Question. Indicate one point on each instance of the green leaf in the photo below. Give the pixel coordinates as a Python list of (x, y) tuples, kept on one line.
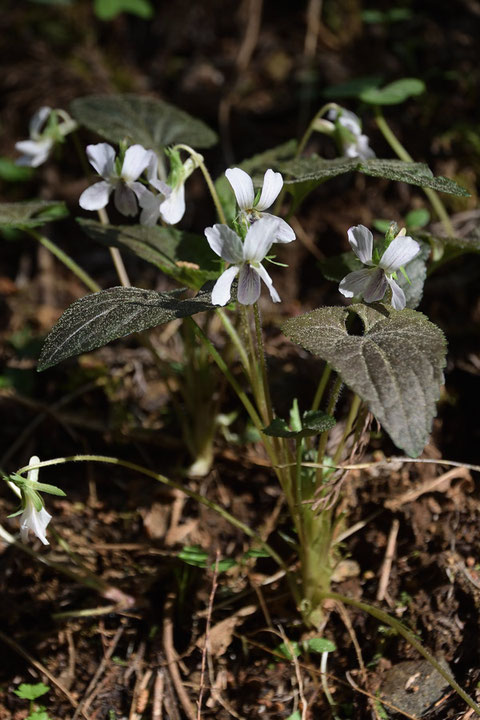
[(183, 256), (97, 319), (395, 366), (11, 172), (386, 16), (416, 219), (313, 423), (31, 692), (150, 122), (394, 93), (38, 715), (316, 421), (320, 645), (289, 650), (109, 9), (193, 555), (317, 169), (30, 214), (352, 88)]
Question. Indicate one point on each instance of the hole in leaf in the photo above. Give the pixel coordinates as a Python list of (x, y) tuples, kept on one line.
[(354, 324)]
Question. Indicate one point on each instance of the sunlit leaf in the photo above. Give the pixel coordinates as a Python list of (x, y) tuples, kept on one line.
[(150, 122), (97, 319), (317, 169), (184, 256), (395, 366)]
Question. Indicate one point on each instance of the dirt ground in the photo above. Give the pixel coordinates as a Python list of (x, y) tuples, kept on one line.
[(111, 610)]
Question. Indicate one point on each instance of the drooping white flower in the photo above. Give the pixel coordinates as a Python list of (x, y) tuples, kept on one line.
[(372, 282), (45, 130), (124, 186), (33, 519), (246, 259), (169, 205), (352, 141), (242, 185)]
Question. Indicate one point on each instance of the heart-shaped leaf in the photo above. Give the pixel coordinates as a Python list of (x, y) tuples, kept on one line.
[(394, 93), (315, 168), (184, 256), (30, 214), (150, 122), (395, 366), (97, 319)]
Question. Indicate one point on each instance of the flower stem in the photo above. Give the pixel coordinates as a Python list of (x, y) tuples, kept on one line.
[(310, 128), (409, 637), (66, 260), (208, 179), (322, 444), (166, 481), (402, 153), (115, 254), (327, 371), (263, 365)]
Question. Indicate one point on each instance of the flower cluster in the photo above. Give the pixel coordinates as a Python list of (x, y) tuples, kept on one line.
[(47, 127), (371, 283), (260, 230), (166, 201)]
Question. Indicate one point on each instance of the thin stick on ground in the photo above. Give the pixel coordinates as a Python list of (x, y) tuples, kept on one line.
[(207, 634), (42, 669), (90, 691), (158, 694), (172, 662), (388, 560)]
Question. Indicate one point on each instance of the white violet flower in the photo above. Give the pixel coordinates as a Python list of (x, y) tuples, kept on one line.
[(124, 186), (350, 137), (242, 185), (33, 518), (246, 259), (372, 283), (44, 130), (170, 204)]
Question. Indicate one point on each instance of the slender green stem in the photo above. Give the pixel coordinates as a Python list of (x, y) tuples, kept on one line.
[(115, 254), (311, 127), (263, 365), (299, 494), (165, 481), (402, 153), (208, 179), (322, 443), (66, 260), (234, 337), (253, 375), (254, 416), (327, 371), (352, 415), (409, 637)]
